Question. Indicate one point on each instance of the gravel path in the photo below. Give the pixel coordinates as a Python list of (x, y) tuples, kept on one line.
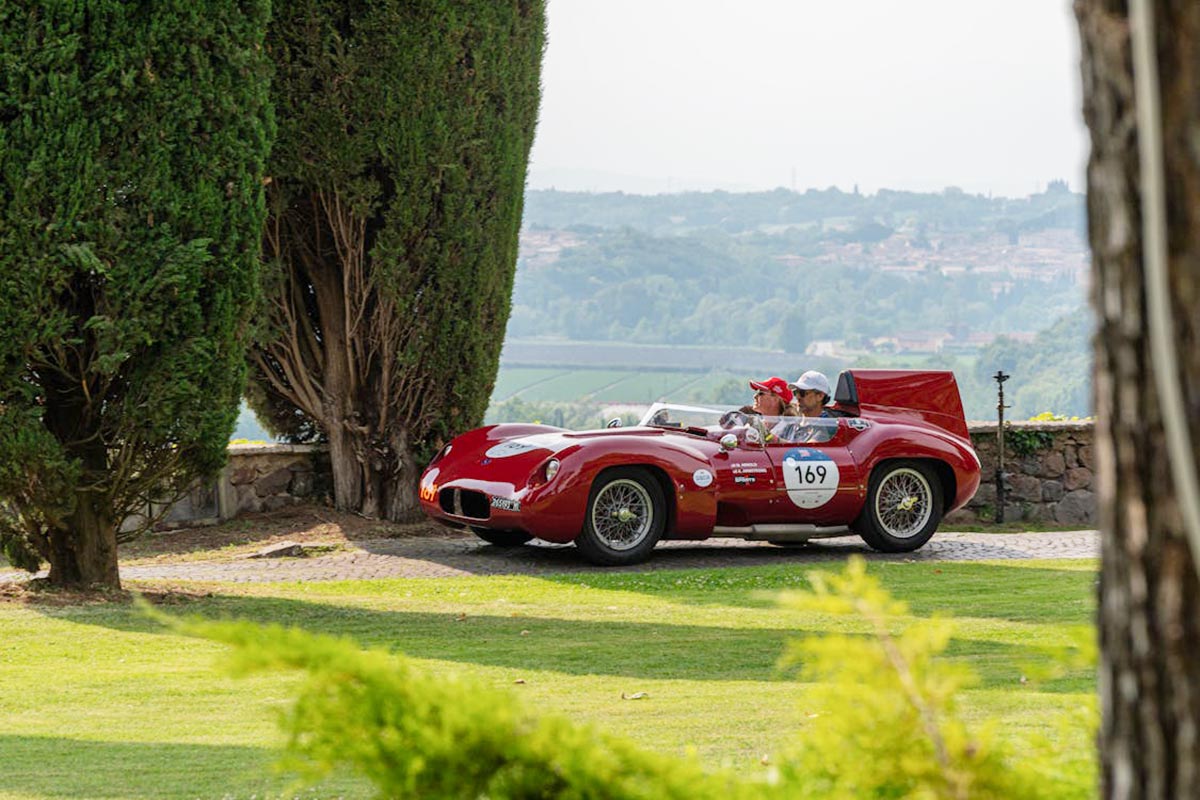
[(446, 556)]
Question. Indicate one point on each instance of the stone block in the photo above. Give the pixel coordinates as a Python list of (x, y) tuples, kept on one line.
[(985, 495), (243, 474), (302, 484), (1039, 512), (247, 498), (1025, 487), (1087, 456), (1077, 478), (1052, 491), (1076, 508), (1071, 456), (1053, 464), (281, 550), (273, 482)]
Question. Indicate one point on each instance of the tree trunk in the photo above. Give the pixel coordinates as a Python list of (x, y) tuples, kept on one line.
[(1149, 595), (84, 552)]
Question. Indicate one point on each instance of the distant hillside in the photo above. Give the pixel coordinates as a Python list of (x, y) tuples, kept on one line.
[(947, 211), (776, 282)]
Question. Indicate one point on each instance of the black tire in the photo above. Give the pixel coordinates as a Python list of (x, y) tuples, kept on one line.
[(626, 516), (501, 538), (903, 507)]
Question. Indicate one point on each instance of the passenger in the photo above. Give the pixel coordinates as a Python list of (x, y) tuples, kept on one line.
[(771, 397), (812, 393)]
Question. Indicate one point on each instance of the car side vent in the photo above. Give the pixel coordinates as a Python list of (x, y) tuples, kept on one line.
[(464, 503)]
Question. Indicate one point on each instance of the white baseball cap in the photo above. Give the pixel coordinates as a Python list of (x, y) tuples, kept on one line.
[(812, 380)]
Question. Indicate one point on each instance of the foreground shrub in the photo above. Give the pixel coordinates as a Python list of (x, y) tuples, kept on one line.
[(887, 726), (888, 722)]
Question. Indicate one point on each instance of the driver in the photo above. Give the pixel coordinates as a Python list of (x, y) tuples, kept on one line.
[(812, 393)]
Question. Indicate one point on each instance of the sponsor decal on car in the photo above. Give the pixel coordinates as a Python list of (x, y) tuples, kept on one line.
[(811, 477), (506, 504), (702, 478), (744, 479), (429, 487), (747, 467), (858, 424), (515, 447)]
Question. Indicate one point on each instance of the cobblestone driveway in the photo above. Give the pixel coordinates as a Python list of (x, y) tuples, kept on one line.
[(466, 555)]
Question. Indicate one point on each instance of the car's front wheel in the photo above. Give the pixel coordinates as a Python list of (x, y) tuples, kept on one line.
[(501, 538), (626, 516), (903, 508)]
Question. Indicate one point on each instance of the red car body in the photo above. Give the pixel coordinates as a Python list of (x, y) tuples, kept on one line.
[(896, 448)]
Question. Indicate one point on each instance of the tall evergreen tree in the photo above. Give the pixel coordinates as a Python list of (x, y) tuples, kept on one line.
[(397, 188), (133, 137)]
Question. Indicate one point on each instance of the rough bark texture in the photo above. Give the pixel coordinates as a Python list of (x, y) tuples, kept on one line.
[(1149, 598)]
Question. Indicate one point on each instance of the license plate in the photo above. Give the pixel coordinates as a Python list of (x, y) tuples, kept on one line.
[(506, 504)]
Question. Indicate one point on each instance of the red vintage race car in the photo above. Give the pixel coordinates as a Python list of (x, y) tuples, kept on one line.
[(890, 461)]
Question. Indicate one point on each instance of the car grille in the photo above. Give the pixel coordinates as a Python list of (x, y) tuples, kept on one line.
[(464, 503)]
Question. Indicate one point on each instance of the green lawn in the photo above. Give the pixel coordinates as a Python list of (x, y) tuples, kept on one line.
[(98, 701)]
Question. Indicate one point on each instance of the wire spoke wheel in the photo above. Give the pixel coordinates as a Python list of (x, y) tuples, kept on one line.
[(626, 516), (904, 506), (622, 514), (903, 503)]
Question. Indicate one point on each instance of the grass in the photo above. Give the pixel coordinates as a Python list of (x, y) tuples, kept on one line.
[(97, 701)]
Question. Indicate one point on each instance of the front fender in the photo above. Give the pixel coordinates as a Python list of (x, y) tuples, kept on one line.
[(692, 506)]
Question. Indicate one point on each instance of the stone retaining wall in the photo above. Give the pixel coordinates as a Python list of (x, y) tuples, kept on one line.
[(1049, 468), (258, 477)]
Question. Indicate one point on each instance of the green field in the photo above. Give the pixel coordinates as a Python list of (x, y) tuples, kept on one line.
[(96, 700)]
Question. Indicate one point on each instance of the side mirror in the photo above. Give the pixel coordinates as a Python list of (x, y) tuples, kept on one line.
[(729, 442), (615, 422)]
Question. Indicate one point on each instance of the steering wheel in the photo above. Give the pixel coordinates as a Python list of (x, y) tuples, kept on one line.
[(732, 418)]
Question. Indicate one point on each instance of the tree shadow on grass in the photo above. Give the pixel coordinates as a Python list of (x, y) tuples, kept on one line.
[(67, 768), (995, 591), (572, 647)]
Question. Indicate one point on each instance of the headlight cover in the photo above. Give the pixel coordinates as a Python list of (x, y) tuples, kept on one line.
[(551, 469), (445, 451)]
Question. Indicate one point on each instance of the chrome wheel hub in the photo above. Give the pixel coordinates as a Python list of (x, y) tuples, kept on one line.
[(622, 514), (903, 503)]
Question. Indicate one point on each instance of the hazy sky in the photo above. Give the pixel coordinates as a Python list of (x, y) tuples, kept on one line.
[(665, 95)]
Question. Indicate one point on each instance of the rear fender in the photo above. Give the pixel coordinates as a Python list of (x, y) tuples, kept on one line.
[(957, 466)]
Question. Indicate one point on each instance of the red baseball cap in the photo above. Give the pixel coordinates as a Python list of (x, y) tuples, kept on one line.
[(774, 385)]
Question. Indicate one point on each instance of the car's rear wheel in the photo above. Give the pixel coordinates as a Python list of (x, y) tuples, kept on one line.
[(903, 508), (501, 538), (626, 516)]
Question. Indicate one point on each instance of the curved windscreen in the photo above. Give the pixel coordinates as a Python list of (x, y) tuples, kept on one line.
[(749, 428)]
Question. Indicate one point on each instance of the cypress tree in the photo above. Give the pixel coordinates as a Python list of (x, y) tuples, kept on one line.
[(133, 137), (393, 213)]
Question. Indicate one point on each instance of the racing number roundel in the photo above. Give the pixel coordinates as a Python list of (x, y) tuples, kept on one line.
[(811, 477)]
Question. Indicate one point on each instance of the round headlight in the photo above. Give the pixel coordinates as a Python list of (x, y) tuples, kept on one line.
[(552, 468)]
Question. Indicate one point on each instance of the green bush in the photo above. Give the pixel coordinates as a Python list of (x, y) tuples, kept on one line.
[(887, 727)]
